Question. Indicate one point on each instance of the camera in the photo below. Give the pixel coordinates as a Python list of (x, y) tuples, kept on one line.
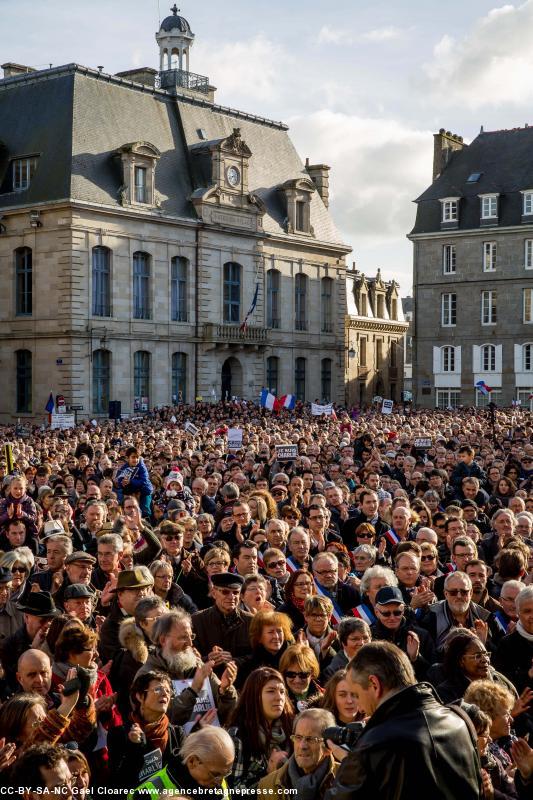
[(346, 736)]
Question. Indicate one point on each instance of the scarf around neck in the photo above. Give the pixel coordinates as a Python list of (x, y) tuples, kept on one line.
[(156, 732), (307, 786), (522, 631)]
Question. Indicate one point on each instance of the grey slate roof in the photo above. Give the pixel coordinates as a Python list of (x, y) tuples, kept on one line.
[(76, 118), (505, 159)]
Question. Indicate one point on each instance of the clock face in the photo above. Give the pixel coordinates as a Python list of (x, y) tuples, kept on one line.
[(233, 176)]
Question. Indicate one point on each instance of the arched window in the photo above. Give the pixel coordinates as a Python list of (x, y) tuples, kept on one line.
[(101, 381), (232, 292), (327, 304), (272, 373), (179, 377), (300, 302), (141, 380), (448, 359), (23, 282), (527, 357), (273, 298), (299, 378), (101, 279), (141, 286), (488, 358), (24, 381), (325, 379), (178, 289)]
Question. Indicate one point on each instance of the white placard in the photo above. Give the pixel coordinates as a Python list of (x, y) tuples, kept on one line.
[(60, 421), (234, 438), (204, 701), (387, 406), (317, 410), (190, 428)]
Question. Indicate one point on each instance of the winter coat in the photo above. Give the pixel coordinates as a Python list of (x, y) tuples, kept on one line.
[(28, 513)]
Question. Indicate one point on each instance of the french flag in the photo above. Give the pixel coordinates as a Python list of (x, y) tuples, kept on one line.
[(267, 399), (286, 401), (483, 388)]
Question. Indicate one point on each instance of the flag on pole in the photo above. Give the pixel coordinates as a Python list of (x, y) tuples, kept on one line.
[(267, 399), (251, 309), (483, 388), (50, 406), (286, 401)]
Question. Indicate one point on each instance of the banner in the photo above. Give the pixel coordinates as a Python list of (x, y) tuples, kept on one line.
[(61, 421), (317, 410), (234, 438), (387, 406), (204, 701), (286, 452), (423, 443)]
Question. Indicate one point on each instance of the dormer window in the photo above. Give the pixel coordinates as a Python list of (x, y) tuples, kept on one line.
[(527, 209), (450, 209), (298, 198), (22, 171), (300, 223), (489, 206), (138, 160)]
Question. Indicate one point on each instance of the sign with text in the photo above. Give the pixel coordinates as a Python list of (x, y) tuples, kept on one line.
[(234, 438), (286, 452), (387, 406), (317, 410), (61, 421), (204, 701), (190, 428), (423, 443)]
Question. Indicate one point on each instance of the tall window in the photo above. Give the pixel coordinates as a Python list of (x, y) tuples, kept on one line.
[(363, 306), (273, 301), (300, 301), (232, 292), (379, 352), (381, 306), (528, 203), (488, 358), (327, 304), (23, 381), (448, 398), (22, 172), (24, 272), (394, 308), (489, 206), (449, 309), (488, 308), (528, 253), (448, 359), (449, 259), (449, 210), (101, 381), (300, 215), (179, 377), (178, 289), (141, 286), (101, 279), (528, 305), (140, 185), (527, 357), (141, 380), (325, 379), (272, 373), (393, 359), (299, 378), (489, 256), (362, 352)]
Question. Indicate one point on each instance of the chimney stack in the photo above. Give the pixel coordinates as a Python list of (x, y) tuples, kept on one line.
[(319, 174), (444, 144), (145, 75), (11, 69)]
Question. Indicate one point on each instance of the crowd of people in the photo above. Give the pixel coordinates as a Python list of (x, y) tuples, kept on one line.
[(180, 617)]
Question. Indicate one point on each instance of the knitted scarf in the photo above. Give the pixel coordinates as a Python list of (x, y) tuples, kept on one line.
[(307, 786), (156, 732)]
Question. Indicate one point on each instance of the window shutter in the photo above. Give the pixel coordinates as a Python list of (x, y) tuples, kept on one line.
[(476, 358), (437, 367), (458, 360), (499, 349), (518, 358)]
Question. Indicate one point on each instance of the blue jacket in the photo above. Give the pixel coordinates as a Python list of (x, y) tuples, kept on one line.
[(139, 480)]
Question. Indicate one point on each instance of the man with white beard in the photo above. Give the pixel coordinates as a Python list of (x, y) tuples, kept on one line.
[(174, 654)]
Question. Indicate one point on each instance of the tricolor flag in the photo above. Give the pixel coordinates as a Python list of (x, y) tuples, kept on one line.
[(483, 388), (50, 406), (267, 399), (251, 309), (286, 401)]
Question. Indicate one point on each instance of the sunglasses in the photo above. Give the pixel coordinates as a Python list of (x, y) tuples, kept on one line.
[(274, 564), (428, 558), (391, 613), (365, 535), (18, 569), (303, 675), (171, 538), (456, 592)]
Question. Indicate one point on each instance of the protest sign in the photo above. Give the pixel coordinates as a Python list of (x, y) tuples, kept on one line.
[(234, 438), (286, 452), (386, 407), (423, 443), (60, 421), (204, 701), (317, 410), (190, 428)]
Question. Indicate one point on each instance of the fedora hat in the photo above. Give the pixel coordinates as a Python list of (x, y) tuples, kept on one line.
[(136, 578), (38, 604)]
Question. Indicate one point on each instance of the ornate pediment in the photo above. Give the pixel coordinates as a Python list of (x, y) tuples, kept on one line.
[(145, 149), (235, 144)]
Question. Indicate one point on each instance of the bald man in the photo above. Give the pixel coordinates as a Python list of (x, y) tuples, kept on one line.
[(34, 672)]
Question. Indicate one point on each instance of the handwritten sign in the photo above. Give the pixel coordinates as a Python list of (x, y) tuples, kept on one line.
[(234, 438), (204, 701)]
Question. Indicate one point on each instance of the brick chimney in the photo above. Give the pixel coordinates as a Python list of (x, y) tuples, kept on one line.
[(444, 144), (319, 174), (11, 69)]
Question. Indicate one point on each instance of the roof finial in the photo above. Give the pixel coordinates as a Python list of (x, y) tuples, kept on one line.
[(175, 10)]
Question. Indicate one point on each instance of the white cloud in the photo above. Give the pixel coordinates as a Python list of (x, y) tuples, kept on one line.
[(382, 34), (328, 35), (490, 66)]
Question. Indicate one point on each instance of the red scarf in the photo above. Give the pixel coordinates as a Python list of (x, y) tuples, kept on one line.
[(155, 732)]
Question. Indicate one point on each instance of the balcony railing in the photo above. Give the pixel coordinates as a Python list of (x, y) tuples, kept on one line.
[(232, 334), (180, 79)]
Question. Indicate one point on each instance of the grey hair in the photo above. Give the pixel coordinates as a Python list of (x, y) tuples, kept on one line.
[(501, 511), (230, 491), (61, 538), (321, 716), (349, 625), (146, 605), (456, 574), (21, 554), (275, 520), (298, 529), (525, 514), (113, 539), (367, 550), (322, 556), (157, 564), (208, 744), (165, 623), (377, 572), (524, 596)]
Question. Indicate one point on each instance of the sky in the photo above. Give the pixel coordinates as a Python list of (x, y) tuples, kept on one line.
[(362, 84)]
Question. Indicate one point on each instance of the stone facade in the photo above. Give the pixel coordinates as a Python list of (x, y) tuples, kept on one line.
[(218, 188), (375, 331), (473, 273)]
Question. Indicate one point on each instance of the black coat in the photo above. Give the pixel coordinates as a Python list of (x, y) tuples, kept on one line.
[(412, 747), (426, 655), (513, 657), (127, 758)]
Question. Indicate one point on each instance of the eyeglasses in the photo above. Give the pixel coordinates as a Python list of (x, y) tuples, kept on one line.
[(291, 675), (326, 571), (318, 616), (160, 690), (456, 592), (296, 737), (428, 558), (274, 564), (304, 585), (216, 776), (397, 613), (217, 564), (172, 538), (483, 655)]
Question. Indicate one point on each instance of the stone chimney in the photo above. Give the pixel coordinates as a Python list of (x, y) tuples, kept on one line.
[(319, 174), (11, 70), (144, 75), (444, 144)]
